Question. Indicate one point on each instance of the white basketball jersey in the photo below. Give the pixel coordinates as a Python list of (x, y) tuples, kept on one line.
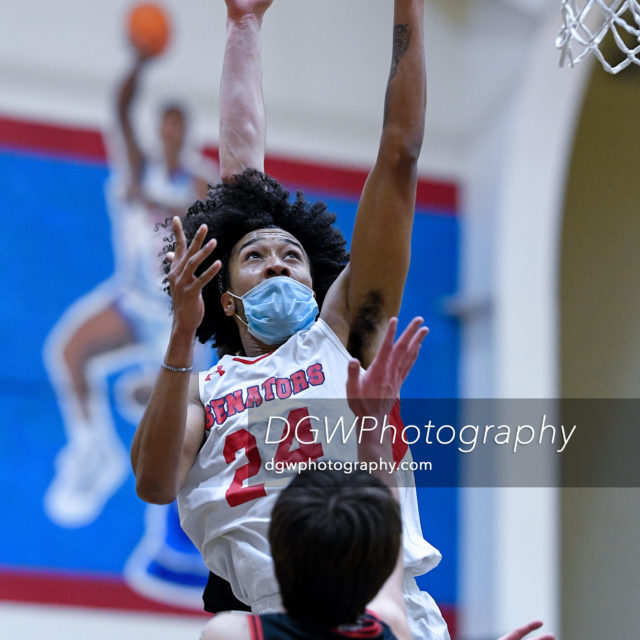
[(137, 239), (226, 501)]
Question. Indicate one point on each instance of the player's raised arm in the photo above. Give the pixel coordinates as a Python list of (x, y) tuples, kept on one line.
[(125, 96), (372, 394), (172, 427), (373, 283), (242, 118)]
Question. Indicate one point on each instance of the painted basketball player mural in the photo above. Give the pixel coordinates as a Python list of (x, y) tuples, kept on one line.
[(268, 280), (125, 320)]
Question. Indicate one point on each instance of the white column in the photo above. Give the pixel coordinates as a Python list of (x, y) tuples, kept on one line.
[(509, 537)]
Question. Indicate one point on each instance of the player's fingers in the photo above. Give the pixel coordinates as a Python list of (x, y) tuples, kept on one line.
[(178, 232), (406, 366), (386, 346), (353, 379), (197, 258), (413, 348), (196, 242), (521, 632), (410, 331), (412, 353), (170, 256), (209, 273), (402, 343), (417, 338)]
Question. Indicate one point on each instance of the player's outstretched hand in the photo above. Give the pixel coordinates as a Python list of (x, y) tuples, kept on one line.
[(186, 286), (521, 632), (238, 9), (374, 392)]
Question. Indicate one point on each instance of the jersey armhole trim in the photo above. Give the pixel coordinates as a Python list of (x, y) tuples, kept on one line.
[(201, 376), (328, 332)]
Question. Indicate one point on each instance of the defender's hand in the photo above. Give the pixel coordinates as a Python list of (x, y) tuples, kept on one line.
[(186, 287), (521, 632), (374, 392)]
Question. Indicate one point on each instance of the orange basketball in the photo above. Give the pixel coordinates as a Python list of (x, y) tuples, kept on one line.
[(149, 29)]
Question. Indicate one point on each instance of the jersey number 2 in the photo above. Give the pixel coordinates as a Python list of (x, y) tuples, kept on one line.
[(242, 440)]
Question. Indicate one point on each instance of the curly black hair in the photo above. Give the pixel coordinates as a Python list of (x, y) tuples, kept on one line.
[(250, 201)]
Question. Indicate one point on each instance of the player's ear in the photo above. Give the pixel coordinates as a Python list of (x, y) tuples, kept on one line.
[(228, 304)]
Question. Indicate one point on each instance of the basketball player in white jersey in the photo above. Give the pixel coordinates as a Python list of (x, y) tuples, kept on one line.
[(124, 323), (126, 318), (358, 593), (251, 270)]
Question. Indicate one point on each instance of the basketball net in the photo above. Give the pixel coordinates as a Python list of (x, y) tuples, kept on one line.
[(585, 23)]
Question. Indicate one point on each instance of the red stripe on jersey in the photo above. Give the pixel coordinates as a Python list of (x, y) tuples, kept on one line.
[(399, 447), (252, 361), (255, 628), (371, 628)]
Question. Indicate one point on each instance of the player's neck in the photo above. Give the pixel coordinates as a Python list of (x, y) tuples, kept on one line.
[(254, 347), (172, 158)]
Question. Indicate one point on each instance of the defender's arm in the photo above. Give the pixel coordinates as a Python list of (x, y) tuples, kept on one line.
[(373, 394)]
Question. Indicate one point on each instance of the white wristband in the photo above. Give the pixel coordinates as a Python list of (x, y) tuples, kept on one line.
[(168, 367)]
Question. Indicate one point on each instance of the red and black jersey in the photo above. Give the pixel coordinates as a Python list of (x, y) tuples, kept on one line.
[(281, 626)]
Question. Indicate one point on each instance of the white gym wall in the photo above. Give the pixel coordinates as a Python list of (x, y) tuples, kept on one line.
[(600, 354)]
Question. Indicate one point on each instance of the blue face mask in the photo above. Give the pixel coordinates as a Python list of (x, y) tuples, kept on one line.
[(277, 308)]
